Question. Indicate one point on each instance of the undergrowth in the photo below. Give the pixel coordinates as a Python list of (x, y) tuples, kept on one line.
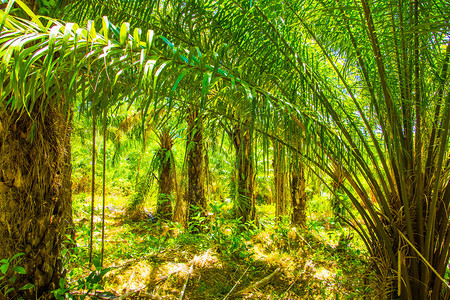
[(268, 261)]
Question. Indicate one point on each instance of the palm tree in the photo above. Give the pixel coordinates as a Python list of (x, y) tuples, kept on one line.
[(36, 187), (337, 204), (279, 179), (195, 195), (35, 191), (375, 129), (166, 178), (298, 193), (35, 121), (399, 159), (345, 75), (245, 204)]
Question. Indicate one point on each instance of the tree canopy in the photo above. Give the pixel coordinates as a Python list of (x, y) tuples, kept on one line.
[(359, 84)]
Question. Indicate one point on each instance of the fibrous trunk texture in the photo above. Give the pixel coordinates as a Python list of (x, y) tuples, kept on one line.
[(336, 201), (35, 195), (166, 176), (279, 168), (298, 194), (245, 206), (196, 198)]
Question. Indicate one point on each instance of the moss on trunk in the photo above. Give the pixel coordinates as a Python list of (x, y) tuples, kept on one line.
[(245, 206), (336, 201), (166, 176), (298, 194), (279, 179), (196, 199), (35, 195)]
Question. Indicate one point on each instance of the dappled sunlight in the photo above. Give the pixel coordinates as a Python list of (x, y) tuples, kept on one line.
[(205, 259), (150, 261), (232, 149), (323, 274), (131, 277)]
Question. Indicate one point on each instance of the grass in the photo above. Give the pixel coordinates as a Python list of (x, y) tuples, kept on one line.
[(159, 261)]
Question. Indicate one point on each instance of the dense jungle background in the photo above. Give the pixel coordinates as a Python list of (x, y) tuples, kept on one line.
[(226, 149)]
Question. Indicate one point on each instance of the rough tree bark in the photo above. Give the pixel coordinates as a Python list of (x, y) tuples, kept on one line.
[(196, 199), (298, 194), (336, 204), (35, 195), (166, 176), (245, 207), (279, 167)]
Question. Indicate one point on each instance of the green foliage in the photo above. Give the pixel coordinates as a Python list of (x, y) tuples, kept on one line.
[(139, 197), (48, 7), (339, 204), (198, 220), (361, 84), (230, 236), (141, 246), (82, 288), (11, 269)]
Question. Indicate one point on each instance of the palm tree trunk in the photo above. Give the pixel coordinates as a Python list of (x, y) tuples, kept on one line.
[(245, 207), (279, 168), (35, 195), (298, 194), (196, 199), (166, 176), (336, 201)]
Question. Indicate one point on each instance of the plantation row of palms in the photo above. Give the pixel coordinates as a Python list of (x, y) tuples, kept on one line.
[(356, 89)]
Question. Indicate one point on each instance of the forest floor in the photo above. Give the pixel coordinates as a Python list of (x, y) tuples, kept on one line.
[(147, 260)]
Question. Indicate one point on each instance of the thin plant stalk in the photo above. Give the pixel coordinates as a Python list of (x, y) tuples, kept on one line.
[(92, 185), (104, 185)]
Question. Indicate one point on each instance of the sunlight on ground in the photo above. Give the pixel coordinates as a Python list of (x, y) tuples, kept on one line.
[(323, 274), (152, 262)]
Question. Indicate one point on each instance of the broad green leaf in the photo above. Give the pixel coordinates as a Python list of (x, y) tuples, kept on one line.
[(148, 71), (4, 267), (92, 32), (20, 270), (69, 28), (97, 264), (141, 60), (62, 283), (205, 86), (54, 32), (167, 42), (105, 27), (33, 128), (124, 29), (157, 73), (136, 38)]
